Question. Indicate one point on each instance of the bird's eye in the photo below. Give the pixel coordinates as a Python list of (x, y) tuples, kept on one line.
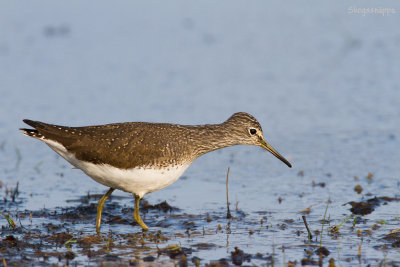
[(253, 131)]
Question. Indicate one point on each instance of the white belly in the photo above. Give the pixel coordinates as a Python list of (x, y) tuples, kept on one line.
[(139, 181)]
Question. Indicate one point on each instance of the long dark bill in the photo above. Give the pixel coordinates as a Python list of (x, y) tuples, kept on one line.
[(268, 147)]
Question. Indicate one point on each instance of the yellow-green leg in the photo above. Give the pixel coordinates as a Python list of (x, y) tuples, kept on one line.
[(100, 206), (136, 214)]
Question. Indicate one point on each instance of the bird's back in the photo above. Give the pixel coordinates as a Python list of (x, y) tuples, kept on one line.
[(122, 145)]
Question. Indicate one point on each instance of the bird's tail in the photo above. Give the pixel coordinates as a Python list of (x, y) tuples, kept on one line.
[(32, 132)]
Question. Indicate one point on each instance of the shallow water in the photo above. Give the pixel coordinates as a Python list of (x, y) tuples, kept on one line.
[(324, 88)]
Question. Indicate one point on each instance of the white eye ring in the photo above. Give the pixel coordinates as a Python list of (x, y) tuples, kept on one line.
[(253, 131)]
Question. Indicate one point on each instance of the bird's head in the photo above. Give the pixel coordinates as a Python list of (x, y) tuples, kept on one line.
[(247, 131)]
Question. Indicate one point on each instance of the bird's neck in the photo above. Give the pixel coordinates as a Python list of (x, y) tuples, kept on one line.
[(213, 137)]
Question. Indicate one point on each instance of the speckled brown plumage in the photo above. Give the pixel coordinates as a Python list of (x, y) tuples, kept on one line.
[(141, 157), (141, 144)]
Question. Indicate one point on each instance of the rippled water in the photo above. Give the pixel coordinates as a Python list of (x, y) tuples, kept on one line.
[(322, 82)]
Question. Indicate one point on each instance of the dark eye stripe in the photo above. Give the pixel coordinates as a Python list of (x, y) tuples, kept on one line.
[(253, 131)]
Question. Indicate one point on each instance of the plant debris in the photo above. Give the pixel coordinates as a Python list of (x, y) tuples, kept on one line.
[(368, 206), (238, 256)]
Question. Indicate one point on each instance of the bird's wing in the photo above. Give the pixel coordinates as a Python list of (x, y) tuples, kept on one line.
[(126, 145)]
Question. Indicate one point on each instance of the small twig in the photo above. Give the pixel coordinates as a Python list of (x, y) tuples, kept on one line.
[(228, 214), (345, 220), (308, 229), (68, 243), (323, 223), (14, 193)]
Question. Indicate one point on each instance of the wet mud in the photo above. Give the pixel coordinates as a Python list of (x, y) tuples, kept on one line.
[(369, 205), (65, 235)]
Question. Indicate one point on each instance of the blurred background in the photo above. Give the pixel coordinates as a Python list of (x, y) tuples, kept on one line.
[(313, 74), (322, 79)]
